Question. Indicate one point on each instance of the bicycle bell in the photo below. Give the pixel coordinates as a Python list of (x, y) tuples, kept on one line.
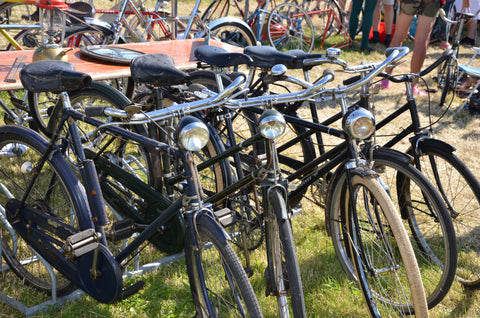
[(52, 20)]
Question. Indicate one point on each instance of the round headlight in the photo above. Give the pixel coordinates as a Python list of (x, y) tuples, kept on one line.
[(272, 124), (359, 124), (192, 133)]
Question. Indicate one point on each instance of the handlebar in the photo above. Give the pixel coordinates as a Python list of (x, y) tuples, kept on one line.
[(316, 89), (266, 100), (446, 54), (394, 55), (462, 15), (230, 92)]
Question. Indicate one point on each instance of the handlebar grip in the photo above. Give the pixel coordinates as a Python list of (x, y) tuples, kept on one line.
[(352, 80), (95, 111)]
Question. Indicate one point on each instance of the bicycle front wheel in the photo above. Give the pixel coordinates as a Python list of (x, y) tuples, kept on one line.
[(425, 218), (384, 259), (460, 190), (219, 284), (283, 272), (289, 28)]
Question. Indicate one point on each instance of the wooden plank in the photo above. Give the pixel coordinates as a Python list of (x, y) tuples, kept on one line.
[(15, 70), (180, 50)]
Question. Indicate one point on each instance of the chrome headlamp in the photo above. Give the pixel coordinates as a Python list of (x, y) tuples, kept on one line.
[(359, 123), (192, 133), (272, 124)]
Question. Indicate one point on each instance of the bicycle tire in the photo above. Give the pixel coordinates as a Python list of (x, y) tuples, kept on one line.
[(210, 261), (420, 205), (216, 9), (282, 258), (233, 33), (75, 36), (16, 13), (447, 82), (68, 200), (85, 35), (97, 94), (460, 189), (289, 27), (376, 236), (323, 27)]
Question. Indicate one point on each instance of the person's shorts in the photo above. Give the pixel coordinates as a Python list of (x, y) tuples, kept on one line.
[(428, 8), (388, 2)]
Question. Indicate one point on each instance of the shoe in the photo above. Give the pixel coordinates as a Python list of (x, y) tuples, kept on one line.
[(418, 92), (374, 41), (385, 84), (387, 43), (445, 46), (467, 41)]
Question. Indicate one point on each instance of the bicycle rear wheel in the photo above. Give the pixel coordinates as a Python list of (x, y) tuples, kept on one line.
[(219, 284), (289, 27), (216, 9), (96, 95), (447, 83), (53, 194), (323, 13), (384, 259), (233, 33), (15, 13)]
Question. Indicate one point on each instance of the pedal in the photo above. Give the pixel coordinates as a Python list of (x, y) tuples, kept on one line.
[(296, 210), (81, 243), (121, 230), (225, 216), (132, 290)]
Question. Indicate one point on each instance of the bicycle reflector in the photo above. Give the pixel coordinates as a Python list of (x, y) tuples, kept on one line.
[(272, 124), (192, 133), (359, 123)]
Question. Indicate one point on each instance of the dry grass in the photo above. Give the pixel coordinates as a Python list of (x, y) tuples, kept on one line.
[(328, 292)]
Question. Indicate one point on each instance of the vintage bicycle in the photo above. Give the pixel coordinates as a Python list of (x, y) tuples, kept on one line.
[(67, 229)]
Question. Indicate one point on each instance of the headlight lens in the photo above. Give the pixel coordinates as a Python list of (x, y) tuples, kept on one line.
[(193, 133), (359, 124), (272, 124)]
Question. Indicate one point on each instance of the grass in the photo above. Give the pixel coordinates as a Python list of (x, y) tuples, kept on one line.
[(328, 291)]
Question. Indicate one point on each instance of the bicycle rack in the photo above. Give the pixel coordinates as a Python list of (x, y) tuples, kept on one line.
[(56, 302)]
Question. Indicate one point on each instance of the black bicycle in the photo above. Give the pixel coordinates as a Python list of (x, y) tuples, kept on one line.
[(309, 172), (52, 214), (421, 206)]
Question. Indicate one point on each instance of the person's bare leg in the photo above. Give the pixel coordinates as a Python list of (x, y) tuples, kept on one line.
[(401, 29), (388, 17), (471, 26), (376, 17), (425, 24)]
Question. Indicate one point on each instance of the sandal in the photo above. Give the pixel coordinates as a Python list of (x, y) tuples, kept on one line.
[(445, 46), (418, 92), (385, 84)]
